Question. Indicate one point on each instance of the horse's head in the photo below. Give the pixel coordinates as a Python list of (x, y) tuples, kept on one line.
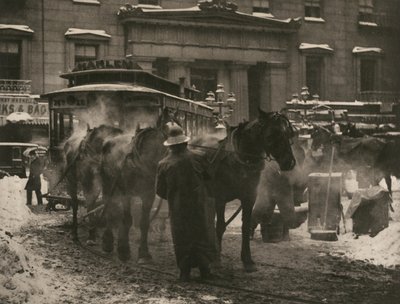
[(167, 118), (276, 134), (320, 136)]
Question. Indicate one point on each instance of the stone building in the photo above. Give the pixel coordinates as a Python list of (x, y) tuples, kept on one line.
[(262, 50)]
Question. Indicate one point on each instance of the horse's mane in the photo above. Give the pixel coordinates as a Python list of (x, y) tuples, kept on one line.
[(103, 128), (137, 140)]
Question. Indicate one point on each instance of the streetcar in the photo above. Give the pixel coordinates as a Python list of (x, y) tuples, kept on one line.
[(121, 94)]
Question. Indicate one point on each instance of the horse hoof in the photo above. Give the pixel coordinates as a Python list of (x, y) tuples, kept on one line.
[(107, 247), (145, 260), (250, 268), (90, 243), (124, 254)]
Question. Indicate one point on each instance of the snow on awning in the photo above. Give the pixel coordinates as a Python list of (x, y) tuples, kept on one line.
[(360, 49), (71, 32), (309, 46), (16, 27)]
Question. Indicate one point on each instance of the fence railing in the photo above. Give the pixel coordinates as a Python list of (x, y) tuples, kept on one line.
[(382, 96), (13, 86)]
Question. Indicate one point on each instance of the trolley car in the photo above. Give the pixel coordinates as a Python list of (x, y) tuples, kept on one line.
[(119, 93)]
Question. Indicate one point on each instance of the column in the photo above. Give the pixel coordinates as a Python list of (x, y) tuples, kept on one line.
[(277, 77), (239, 86)]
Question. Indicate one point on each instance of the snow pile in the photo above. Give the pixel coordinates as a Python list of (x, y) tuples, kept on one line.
[(19, 280), (13, 211), (383, 249)]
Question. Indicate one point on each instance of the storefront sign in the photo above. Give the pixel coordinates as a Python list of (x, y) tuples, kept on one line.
[(28, 105)]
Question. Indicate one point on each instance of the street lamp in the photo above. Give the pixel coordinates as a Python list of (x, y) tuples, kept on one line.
[(218, 100)]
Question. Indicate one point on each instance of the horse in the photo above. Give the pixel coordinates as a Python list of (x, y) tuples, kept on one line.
[(282, 188), (128, 169), (82, 156), (236, 162), (377, 155)]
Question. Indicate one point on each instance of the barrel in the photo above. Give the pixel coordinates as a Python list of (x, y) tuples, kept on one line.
[(318, 203)]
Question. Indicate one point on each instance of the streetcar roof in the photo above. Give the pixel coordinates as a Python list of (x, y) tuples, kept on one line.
[(18, 144), (119, 87)]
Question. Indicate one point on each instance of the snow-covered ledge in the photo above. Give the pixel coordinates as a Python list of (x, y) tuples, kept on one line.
[(360, 49), (71, 32), (16, 27), (314, 19), (94, 2), (262, 15), (310, 46), (365, 23)]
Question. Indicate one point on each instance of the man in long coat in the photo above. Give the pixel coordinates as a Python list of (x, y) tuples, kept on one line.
[(34, 183), (182, 180)]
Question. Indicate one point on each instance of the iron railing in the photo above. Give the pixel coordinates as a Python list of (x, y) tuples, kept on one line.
[(13, 86), (382, 96)]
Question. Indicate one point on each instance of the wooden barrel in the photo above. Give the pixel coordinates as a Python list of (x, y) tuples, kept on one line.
[(317, 203)]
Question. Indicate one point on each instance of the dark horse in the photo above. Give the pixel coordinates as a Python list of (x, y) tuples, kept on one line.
[(238, 162), (82, 167), (129, 169), (378, 156)]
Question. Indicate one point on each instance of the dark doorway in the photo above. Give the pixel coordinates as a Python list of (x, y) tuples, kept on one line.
[(314, 68), (204, 80), (254, 87), (367, 74)]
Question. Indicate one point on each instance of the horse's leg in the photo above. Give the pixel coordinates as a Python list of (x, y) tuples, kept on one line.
[(72, 190), (220, 227), (108, 237), (124, 252), (147, 204), (388, 180), (91, 191), (248, 263)]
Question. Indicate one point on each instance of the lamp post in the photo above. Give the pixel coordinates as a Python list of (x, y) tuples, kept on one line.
[(218, 101)]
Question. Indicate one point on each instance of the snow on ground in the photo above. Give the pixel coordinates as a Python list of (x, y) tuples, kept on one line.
[(22, 277)]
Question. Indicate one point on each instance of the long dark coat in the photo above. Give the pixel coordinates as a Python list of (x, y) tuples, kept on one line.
[(35, 169), (181, 179)]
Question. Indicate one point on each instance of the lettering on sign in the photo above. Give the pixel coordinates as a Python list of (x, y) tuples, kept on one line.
[(9, 105), (69, 101)]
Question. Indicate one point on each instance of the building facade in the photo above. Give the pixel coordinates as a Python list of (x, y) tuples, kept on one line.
[(262, 50)]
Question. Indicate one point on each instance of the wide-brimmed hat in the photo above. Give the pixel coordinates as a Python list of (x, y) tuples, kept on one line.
[(176, 136)]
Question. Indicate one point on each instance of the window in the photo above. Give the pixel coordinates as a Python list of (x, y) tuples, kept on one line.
[(85, 52), (10, 60), (261, 6), (204, 80), (149, 2), (366, 10), (368, 74), (312, 8), (314, 70)]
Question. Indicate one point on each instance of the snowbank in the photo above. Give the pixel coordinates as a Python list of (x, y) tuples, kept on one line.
[(20, 279), (13, 211)]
